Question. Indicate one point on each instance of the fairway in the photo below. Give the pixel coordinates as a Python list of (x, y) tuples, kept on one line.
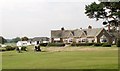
[(92, 58)]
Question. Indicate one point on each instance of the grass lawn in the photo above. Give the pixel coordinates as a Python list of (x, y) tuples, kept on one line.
[(80, 58)]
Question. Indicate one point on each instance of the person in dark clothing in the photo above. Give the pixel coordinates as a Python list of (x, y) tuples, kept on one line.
[(18, 49), (37, 46)]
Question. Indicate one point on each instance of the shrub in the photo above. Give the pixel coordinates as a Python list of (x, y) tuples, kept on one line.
[(98, 44), (106, 45), (23, 48), (90, 44), (2, 49), (56, 44), (82, 44), (43, 44), (8, 48), (73, 44), (118, 43)]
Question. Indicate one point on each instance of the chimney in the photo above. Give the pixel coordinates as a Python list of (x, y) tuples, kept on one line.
[(62, 28), (108, 27), (89, 27), (80, 28)]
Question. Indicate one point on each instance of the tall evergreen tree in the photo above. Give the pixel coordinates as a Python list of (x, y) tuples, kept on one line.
[(109, 11)]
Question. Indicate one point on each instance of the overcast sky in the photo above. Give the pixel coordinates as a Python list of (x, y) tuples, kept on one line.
[(33, 18)]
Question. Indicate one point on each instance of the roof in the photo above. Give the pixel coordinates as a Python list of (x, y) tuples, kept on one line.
[(66, 33), (56, 34), (92, 32), (40, 39), (76, 33), (60, 33), (1, 39)]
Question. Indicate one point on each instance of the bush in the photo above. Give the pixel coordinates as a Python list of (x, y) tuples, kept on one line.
[(56, 44), (8, 48), (23, 48), (106, 45), (82, 44), (98, 44), (2, 49), (73, 44), (43, 44), (118, 43)]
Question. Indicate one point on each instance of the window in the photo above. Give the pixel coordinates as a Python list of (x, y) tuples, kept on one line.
[(70, 40), (104, 40), (93, 41), (83, 40)]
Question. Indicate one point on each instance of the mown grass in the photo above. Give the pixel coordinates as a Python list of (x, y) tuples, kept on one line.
[(94, 59)]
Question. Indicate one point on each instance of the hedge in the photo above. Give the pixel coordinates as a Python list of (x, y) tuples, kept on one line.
[(98, 44), (118, 43), (2, 49), (44, 44), (24, 48), (82, 44), (73, 44), (9, 48), (56, 44), (106, 45)]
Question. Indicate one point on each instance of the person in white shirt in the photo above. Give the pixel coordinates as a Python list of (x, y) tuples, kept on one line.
[(19, 46)]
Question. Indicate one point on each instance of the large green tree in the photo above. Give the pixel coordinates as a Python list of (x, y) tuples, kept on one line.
[(15, 40), (25, 38), (108, 11), (2, 40)]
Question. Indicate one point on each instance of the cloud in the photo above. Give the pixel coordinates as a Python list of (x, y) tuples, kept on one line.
[(71, 0), (37, 17)]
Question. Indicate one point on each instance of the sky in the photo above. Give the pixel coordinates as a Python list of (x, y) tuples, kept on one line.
[(36, 18)]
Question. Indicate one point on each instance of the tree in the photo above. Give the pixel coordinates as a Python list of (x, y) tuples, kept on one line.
[(24, 38), (109, 11), (2, 40), (5, 40), (118, 42), (15, 40)]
